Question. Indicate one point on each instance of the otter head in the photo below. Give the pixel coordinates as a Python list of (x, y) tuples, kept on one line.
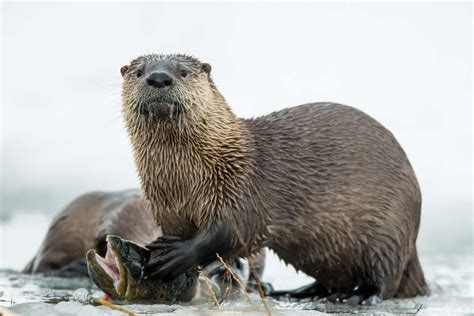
[(166, 88), (180, 128)]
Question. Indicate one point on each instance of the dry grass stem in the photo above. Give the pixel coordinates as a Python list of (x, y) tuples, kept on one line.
[(252, 267), (213, 294), (259, 286), (114, 306), (242, 287)]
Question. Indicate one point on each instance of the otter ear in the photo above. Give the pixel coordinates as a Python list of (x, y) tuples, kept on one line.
[(124, 69), (206, 68)]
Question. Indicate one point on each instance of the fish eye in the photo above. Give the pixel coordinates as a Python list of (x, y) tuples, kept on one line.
[(183, 73)]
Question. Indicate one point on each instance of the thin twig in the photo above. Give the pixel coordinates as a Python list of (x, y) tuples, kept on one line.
[(114, 306), (213, 294), (417, 310), (259, 286), (252, 268), (228, 268)]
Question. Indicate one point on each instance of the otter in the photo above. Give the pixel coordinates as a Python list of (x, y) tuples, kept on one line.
[(324, 185), (86, 225)]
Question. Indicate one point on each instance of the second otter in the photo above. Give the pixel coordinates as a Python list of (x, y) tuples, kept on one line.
[(325, 186)]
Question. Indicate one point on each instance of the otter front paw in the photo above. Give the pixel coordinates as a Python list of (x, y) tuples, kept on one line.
[(169, 258)]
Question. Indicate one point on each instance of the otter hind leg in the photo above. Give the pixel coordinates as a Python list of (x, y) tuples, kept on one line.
[(316, 291), (357, 297), (413, 281), (312, 290)]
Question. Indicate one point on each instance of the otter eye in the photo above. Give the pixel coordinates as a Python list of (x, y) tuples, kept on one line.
[(183, 73), (139, 73)]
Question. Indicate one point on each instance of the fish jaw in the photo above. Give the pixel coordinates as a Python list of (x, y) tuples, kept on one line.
[(108, 272), (113, 256), (99, 275)]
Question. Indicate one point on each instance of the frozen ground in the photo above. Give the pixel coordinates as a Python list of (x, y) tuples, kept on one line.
[(451, 278)]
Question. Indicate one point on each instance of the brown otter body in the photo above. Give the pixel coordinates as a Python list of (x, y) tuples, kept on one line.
[(84, 224), (325, 186)]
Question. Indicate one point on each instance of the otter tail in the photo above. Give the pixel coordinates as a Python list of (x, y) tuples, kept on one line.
[(413, 281)]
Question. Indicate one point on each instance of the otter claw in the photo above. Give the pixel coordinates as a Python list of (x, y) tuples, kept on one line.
[(170, 257), (363, 300), (337, 297)]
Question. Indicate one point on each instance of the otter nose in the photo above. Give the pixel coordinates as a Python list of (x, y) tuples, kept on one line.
[(159, 80)]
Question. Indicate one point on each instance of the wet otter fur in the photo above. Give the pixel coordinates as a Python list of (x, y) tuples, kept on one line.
[(324, 185)]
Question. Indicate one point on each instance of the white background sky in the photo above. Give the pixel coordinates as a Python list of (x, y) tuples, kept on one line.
[(407, 65)]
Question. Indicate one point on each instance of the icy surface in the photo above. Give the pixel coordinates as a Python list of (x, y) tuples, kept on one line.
[(451, 280), (450, 276)]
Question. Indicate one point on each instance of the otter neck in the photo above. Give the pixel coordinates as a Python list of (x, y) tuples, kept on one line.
[(206, 159)]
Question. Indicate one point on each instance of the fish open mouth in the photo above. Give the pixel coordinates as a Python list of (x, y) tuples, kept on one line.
[(119, 274), (109, 263), (108, 272)]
